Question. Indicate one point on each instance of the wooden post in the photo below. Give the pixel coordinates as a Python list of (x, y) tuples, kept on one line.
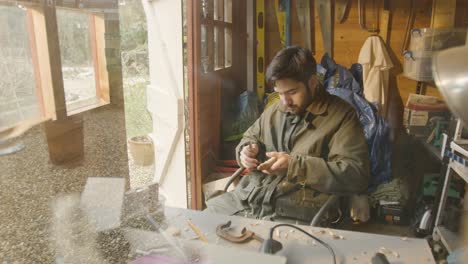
[(53, 46), (65, 137)]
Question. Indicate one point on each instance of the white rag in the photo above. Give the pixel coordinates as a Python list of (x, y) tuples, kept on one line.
[(376, 65)]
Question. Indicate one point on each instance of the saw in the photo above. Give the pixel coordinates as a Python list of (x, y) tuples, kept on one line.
[(326, 15)]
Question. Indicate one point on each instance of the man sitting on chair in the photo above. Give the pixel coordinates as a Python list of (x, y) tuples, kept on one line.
[(302, 148)]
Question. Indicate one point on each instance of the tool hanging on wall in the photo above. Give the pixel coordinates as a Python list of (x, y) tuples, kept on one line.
[(341, 7), (282, 8), (362, 4), (304, 11), (385, 21), (326, 17), (260, 50), (409, 26)]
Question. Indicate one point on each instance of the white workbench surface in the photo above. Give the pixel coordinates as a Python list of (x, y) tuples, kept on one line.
[(356, 247)]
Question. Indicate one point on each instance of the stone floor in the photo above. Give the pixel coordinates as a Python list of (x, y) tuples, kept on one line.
[(139, 175)]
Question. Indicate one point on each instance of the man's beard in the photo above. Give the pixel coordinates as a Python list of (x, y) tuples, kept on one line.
[(294, 109), (298, 110)]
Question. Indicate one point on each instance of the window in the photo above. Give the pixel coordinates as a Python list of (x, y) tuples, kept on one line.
[(19, 100), (25, 87), (80, 67), (216, 34)]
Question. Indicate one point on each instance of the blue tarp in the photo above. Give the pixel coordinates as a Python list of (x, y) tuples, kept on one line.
[(347, 84)]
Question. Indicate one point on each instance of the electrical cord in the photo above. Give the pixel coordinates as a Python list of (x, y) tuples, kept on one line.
[(308, 234)]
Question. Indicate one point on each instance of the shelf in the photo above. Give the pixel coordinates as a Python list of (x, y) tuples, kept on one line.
[(461, 170), (459, 148), (448, 238)]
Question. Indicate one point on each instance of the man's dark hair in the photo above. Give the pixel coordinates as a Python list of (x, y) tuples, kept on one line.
[(294, 62)]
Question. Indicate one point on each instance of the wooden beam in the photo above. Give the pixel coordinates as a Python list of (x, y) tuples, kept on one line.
[(443, 13), (193, 71), (53, 47), (41, 61), (99, 57), (35, 62)]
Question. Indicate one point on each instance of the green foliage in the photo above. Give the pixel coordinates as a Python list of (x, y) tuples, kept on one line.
[(134, 47), (138, 119), (74, 37), (134, 38)]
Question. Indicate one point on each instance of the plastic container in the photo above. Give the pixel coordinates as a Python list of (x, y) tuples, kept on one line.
[(418, 65), (427, 39)]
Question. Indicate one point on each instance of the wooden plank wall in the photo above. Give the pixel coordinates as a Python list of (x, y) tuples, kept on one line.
[(349, 38)]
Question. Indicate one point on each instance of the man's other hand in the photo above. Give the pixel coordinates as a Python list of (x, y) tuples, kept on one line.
[(248, 156), (281, 162)]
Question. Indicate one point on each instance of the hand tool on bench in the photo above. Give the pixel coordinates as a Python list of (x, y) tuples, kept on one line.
[(245, 236)]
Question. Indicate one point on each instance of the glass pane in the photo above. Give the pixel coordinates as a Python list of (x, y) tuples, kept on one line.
[(216, 48), (207, 9), (219, 10), (228, 11), (204, 50), (77, 58), (18, 99), (228, 47)]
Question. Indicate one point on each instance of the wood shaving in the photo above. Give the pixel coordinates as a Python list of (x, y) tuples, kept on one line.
[(255, 224), (333, 235), (384, 251), (319, 232), (395, 254), (173, 231), (277, 233)]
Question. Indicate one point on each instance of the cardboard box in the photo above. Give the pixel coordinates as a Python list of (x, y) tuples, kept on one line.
[(423, 113)]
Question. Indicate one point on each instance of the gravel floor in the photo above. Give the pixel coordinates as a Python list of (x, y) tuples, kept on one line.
[(139, 175)]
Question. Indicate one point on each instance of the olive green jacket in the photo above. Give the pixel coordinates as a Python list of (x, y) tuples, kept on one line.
[(328, 151)]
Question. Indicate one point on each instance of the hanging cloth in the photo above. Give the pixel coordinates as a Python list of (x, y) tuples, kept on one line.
[(376, 64)]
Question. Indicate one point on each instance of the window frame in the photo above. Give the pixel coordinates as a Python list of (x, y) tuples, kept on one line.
[(216, 48), (49, 100)]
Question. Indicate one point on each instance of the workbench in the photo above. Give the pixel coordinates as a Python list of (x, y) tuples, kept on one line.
[(349, 246)]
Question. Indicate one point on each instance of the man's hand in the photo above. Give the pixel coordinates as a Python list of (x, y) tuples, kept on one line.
[(248, 156), (278, 161)]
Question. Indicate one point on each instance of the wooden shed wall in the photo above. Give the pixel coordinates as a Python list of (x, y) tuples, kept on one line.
[(349, 38)]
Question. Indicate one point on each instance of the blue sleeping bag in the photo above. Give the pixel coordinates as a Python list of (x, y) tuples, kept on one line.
[(347, 84)]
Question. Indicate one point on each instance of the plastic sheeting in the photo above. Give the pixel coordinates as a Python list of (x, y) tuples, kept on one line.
[(238, 117), (347, 84)]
